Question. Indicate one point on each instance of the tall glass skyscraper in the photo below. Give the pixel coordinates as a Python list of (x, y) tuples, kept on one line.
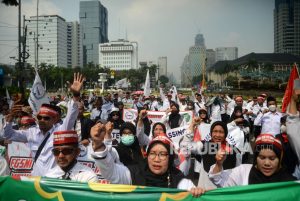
[(93, 23), (287, 26)]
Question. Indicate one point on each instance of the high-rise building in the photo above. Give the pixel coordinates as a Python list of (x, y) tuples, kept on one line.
[(119, 55), (52, 37), (74, 45), (186, 79), (287, 26), (211, 58), (197, 56), (93, 24), (162, 66), (226, 53)]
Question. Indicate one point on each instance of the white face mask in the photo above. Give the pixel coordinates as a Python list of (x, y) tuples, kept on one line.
[(272, 108), (283, 129)]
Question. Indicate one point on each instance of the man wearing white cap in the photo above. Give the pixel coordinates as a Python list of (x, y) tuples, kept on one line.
[(66, 150)]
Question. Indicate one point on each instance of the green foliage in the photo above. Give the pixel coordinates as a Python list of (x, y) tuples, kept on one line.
[(163, 79), (232, 81)]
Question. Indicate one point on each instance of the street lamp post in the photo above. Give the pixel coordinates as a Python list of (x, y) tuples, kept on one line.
[(102, 79)]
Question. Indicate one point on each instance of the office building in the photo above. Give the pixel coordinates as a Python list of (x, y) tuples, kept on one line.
[(93, 24), (52, 46), (74, 45), (287, 26), (119, 55)]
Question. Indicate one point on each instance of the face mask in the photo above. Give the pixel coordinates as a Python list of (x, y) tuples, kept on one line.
[(283, 129), (127, 140), (272, 108)]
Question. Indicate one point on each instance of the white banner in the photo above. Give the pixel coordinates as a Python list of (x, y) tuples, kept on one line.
[(155, 116), (176, 134), (235, 137), (204, 130), (20, 160), (115, 134)]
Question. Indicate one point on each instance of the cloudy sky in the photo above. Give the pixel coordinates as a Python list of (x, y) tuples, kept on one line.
[(162, 27)]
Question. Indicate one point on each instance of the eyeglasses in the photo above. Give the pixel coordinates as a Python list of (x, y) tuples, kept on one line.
[(161, 155), (46, 118), (66, 151)]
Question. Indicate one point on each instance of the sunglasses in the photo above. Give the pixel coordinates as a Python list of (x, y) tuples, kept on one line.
[(66, 151), (46, 118), (115, 114)]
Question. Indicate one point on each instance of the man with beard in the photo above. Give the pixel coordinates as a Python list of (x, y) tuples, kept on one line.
[(66, 150)]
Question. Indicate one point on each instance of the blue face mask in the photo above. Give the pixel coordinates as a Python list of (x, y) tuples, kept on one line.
[(127, 140)]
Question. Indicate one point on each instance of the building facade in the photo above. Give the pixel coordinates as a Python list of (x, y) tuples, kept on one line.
[(211, 58), (93, 24), (226, 53), (119, 55), (287, 26), (195, 62), (52, 46), (162, 65), (186, 79), (74, 45)]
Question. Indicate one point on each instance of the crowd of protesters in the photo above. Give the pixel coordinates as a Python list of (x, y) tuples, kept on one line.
[(268, 148)]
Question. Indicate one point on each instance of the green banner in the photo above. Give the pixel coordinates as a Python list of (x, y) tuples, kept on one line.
[(40, 189)]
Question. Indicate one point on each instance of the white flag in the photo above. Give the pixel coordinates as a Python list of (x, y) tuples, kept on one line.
[(122, 83), (173, 90), (147, 85), (38, 94), (9, 101)]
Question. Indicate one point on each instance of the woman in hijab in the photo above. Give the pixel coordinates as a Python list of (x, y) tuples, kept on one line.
[(203, 116), (116, 118), (129, 149), (157, 128), (158, 171), (241, 127), (172, 118), (216, 141), (266, 168)]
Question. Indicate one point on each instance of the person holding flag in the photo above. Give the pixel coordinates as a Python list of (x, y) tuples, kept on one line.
[(293, 127), (40, 138)]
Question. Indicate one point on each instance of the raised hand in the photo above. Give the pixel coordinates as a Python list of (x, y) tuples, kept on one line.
[(220, 157), (108, 128), (77, 83), (97, 135), (143, 114)]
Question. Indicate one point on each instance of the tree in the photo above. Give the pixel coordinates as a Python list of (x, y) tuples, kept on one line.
[(163, 79), (10, 2)]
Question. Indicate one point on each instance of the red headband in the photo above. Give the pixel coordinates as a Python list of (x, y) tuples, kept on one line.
[(65, 137), (268, 139), (48, 111), (27, 120), (161, 138)]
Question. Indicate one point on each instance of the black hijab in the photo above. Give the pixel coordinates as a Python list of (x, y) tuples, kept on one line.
[(129, 154), (144, 176), (174, 117), (281, 175), (233, 117)]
